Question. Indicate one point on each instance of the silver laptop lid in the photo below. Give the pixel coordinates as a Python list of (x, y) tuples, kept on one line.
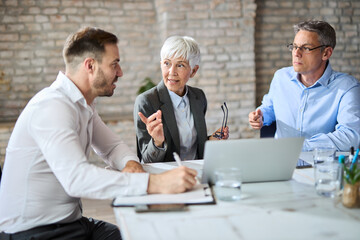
[(260, 160)]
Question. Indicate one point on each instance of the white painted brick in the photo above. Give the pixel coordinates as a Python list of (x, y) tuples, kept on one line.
[(41, 18), (34, 10), (50, 11), (224, 29)]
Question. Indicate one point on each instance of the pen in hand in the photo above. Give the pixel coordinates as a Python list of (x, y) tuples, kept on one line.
[(178, 161)]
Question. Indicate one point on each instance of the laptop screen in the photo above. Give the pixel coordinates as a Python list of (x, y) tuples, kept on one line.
[(260, 160)]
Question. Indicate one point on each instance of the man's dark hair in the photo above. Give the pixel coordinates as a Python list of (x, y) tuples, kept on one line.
[(87, 42)]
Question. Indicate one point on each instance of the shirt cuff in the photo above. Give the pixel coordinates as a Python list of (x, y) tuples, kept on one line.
[(159, 148), (264, 116), (138, 184), (120, 165)]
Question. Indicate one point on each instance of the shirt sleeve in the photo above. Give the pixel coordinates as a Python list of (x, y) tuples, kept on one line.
[(53, 126), (267, 107), (347, 129), (109, 146)]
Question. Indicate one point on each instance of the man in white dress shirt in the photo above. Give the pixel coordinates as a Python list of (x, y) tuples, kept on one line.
[(46, 169)]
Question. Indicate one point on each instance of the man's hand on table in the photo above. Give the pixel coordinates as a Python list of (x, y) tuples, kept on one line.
[(133, 167), (173, 181)]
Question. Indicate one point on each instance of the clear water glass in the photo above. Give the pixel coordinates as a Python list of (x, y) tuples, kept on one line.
[(327, 180), (323, 154), (228, 184)]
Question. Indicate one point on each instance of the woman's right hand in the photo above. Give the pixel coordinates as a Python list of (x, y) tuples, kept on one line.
[(154, 127)]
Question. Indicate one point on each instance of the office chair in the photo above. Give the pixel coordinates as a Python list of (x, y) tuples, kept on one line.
[(138, 149), (268, 131)]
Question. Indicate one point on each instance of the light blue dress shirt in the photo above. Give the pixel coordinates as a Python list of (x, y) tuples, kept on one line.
[(326, 113), (185, 124)]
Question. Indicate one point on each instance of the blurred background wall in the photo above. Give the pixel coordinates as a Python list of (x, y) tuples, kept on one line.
[(243, 42)]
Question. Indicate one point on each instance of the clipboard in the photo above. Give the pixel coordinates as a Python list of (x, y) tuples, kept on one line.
[(200, 194)]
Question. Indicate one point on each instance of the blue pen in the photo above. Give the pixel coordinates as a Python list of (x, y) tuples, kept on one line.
[(341, 175), (355, 158)]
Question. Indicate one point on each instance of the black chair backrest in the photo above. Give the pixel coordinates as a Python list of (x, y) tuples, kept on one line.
[(138, 150), (268, 131)]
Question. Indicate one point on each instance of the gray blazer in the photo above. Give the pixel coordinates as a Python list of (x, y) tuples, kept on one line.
[(158, 98)]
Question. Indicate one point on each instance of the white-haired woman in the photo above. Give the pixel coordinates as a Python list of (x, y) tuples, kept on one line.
[(171, 116)]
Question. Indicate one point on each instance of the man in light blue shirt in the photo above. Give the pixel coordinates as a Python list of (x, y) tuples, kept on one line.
[(310, 99)]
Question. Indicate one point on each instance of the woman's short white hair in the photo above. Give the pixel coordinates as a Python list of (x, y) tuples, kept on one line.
[(181, 47)]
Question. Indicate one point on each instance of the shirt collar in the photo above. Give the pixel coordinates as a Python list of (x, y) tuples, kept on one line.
[(324, 80), (176, 99), (68, 88)]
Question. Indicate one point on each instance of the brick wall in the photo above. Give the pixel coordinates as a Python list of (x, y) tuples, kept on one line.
[(32, 34), (5, 132), (241, 40), (274, 21), (225, 32)]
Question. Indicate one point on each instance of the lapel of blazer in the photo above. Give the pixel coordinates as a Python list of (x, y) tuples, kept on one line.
[(199, 118), (168, 114)]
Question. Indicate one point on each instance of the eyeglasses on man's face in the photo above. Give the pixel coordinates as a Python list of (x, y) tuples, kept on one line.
[(303, 49), (225, 110)]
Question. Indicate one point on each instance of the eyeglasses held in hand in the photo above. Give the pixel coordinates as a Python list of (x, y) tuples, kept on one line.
[(224, 121)]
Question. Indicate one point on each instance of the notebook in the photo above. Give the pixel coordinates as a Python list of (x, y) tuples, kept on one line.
[(200, 194), (260, 160)]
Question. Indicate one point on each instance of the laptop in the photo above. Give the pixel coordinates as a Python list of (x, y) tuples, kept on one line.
[(260, 160)]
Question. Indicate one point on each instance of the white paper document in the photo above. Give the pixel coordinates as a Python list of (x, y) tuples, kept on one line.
[(200, 194), (161, 167)]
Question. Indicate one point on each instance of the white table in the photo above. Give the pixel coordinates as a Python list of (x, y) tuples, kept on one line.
[(274, 210)]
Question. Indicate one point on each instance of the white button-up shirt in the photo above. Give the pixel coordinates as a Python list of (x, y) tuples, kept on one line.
[(46, 168)]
